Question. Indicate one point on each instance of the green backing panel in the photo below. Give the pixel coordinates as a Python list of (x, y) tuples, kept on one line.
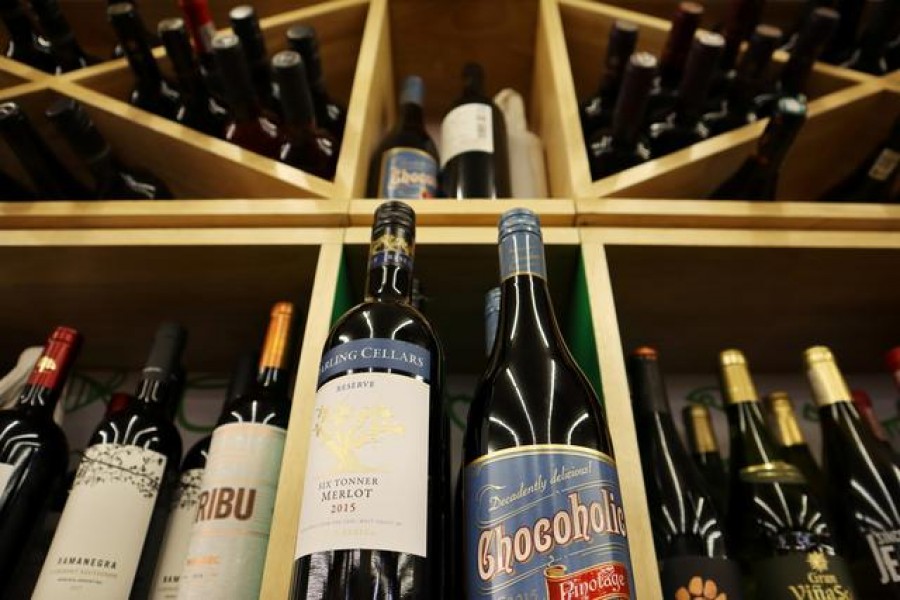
[(343, 295), (580, 330)]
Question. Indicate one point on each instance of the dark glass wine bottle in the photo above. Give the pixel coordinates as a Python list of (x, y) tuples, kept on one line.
[(491, 318), (306, 146), (380, 391), (250, 126), (404, 166), (803, 15), (49, 177), (537, 448), (795, 74), (474, 154), (623, 145), (151, 37), (330, 114), (673, 59), (749, 80), (228, 541), (186, 499), (793, 444), (864, 482), (688, 530), (683, 127), (34, 455), (151, 90), (112, 179), (874, 179), (200, 110), (111, 529), (245, 25), (66, 49), (704, 449), (24, 44), (841, 45), (595, 112), (863, 403), (757, 177), (742, 19), (778, 529)]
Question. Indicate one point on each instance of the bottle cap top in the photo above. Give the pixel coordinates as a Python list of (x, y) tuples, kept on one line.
[(643, 60), (287, 59), (395, 213), (794, 106), (691, 8), (711, 39), (226, 41), (892, 359), (778, 396), (65, 335), (413, 91), (645, 352), (175, 24), (301, 33), (768, 32), (627, 26), (283, 309), (241, 13), (119, 9), (817, 354), (732, 357), (519, 220), (737, 385)]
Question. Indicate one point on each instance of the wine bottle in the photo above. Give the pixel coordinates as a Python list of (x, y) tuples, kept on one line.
[(186, 499), (151, 90), (874, 179), (491, 318), (245, 25), (378, 537), (623, 146), (111, 528), (49, 177), (757, 177), (704, 450), (688, 530), (112, 179), (797, 24), (673, 59), (24, 43), (34, 454), (66, 49), (250, 126), (306, 145), (864, 482), (795, 74), (788, 435), (330, 114), (749, 80), (200, 110), (595, 113), (536, 425), (474, 156), (742, 19), (842, 43), (405, 163), (227, 548), (683, 127), (863, 404), (781, 535), (152, 38)]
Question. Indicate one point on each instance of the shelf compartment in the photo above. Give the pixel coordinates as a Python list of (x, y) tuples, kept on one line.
[(456, 267)]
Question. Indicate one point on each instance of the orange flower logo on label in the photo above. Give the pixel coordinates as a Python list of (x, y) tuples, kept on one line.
[(698, 589)]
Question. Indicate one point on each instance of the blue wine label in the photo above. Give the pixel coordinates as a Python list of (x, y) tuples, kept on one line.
[(545, 522), (376, 353), (407, 174)]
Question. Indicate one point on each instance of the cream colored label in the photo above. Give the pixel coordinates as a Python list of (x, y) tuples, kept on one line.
[(366, 483), (234, 512), (884, 165), (178, 536), (6, 473), (467, 128), (98, 543)]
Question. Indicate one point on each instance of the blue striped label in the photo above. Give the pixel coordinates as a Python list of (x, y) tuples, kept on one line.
[(376, 353)]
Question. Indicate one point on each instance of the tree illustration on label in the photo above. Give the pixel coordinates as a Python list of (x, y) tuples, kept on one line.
[(187, 495), (698, 589), (345, 431), (135, 466)]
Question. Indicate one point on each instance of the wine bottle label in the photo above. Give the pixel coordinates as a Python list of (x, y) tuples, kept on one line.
[(366, 481), (6, 473), (228, 542), (467, 128), (700, 578), (178, 536), (799, 576), (407, 174), (885, 165), (376, 354), (885, 548), (546, 522), (98, 543)]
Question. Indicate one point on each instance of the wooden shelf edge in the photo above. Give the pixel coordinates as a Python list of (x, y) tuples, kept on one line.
[(745, 238), (471, 213), (714, 214), (21, 70), (238, 236)]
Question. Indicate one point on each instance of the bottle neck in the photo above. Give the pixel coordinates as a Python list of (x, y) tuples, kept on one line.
[(775, 143), (751, 443), (140, 56), (787, 430), (155, 389), (700, 434), (412, 117), (678, 45), (32, 152), (48, 378), (390, 266)]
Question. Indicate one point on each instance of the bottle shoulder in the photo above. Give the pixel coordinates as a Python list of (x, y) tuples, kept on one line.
[(20, 430), (388, 320), (145, 429)]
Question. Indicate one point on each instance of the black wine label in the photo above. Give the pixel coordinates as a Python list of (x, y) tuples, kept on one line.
[(885, 548), (700, 578), (810, 576)]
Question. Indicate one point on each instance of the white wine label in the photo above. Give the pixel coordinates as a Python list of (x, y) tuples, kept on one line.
[(98, 543), (366, 481), (885, 165), (178, 536), (467, 128), (234, 513)]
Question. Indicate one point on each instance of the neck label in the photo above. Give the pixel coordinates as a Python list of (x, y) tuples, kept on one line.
[(390, 249), (522, 253)]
